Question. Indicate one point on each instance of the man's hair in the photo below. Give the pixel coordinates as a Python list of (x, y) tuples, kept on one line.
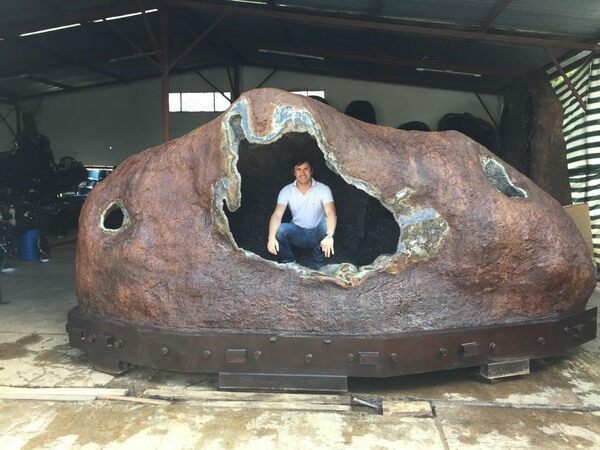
[(301, 160)]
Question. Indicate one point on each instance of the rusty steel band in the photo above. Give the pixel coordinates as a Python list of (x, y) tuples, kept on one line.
[(116, 345)]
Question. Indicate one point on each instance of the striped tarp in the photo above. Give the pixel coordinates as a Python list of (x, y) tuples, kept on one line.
[(582, 134)]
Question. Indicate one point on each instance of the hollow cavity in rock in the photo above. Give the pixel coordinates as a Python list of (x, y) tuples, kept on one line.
[(365, 228)]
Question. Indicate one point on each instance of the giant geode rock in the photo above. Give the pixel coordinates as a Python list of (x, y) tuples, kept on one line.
[(478, 243)]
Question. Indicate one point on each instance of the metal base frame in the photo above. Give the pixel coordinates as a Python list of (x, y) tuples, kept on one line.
[(504, 369), (296, 361), (235, 381)]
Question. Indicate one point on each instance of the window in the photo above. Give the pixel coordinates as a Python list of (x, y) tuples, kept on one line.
[(212, 101), (310, 93), (174, 102), (199, 101)]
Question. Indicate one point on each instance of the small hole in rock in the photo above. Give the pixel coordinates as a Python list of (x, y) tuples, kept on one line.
[(113, 218), (365, 229)]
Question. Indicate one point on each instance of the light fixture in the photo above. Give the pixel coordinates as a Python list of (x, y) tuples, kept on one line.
[(299, 55), (449, 71), (252, 2), (20, 76), (139, 13), (48, 30), (134, 56)]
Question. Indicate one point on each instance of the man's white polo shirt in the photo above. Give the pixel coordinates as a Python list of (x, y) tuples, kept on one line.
[(307, 209)]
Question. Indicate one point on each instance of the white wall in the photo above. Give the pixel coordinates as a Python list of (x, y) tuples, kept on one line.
[(105, 125), (394, 104)]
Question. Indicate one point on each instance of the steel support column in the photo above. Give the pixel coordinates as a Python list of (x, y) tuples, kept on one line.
[(164, 69), (236, 89)]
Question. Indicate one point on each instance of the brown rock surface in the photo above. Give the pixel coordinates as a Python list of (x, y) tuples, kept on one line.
[(468, 253)]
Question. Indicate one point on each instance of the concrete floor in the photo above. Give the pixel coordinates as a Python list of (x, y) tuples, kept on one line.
[(557, 406)]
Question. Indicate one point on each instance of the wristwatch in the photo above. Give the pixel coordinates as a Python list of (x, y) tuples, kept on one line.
[(329, 235)]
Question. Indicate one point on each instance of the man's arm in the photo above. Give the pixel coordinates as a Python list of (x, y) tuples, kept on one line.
[(331, 218), (274, 222)]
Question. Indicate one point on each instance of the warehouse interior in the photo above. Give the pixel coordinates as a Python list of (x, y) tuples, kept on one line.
[(98, 81)]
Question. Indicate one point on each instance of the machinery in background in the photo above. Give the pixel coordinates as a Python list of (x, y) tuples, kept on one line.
[(73, 198), (39, 197), (94, 174)]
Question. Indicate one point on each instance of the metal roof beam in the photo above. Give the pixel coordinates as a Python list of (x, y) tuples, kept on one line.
[(464, 45), (267, 78), (149, 29), (197, 72), (219, 42), (70, 60), (286, 31), (567, 80), (493, 14), (62, 86), (22, 72), (130, 41), (196, 41), (115, 82), (289, 39), (73, 17), (384, 60), (347, 23), (375, 9), (466, 87)]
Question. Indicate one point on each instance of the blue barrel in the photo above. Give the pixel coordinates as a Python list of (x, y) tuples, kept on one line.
[(28, 245)]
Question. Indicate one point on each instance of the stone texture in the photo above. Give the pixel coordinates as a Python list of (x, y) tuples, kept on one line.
[(468, 253)]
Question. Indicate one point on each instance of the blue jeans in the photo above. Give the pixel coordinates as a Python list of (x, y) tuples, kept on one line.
[(289, 234)]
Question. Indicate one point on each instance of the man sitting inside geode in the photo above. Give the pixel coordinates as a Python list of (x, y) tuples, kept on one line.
[(313, 218)]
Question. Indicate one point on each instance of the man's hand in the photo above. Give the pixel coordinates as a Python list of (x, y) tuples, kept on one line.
[(273, 246), (327, 246)]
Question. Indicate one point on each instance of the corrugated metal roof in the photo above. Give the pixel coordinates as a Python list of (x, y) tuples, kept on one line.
[(373, 39), (457, 12), (335, 6), (580, 18)]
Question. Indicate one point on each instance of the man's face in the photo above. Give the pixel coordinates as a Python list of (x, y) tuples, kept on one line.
[(303, 173)]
